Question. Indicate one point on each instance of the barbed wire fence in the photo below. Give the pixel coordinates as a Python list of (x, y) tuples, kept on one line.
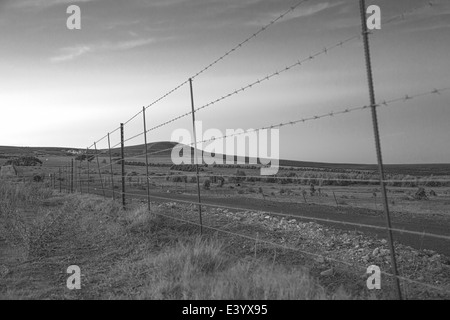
[(71, 178)]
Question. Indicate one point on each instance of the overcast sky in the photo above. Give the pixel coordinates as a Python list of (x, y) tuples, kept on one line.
[(61, 87)]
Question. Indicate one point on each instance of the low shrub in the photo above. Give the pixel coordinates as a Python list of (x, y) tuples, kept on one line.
[(27, 161)]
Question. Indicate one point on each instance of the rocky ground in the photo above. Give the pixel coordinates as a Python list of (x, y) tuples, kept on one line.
[(329, 252)]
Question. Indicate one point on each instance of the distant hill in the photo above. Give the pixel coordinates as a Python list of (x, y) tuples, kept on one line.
[(160, 152), (161, 149), (406, 169), (30, 150)]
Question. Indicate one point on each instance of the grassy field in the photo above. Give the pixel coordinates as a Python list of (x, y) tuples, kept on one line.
[(334, 184), (127, 254), (161, 151)]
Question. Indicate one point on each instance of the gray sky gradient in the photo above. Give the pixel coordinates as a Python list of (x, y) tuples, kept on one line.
[(69, 88)]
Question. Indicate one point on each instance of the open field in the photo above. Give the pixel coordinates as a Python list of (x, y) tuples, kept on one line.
[(129, 255), (133, 254), (312, 196), (334, 184), (298, 151)]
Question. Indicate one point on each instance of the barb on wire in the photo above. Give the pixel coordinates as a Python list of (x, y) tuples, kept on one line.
[(277, 73), (262, 29), (311, 57), (364, 181), (99, 140), (259, 81), (385, 103), (222, 57), (104, 151), (297, 178), (299, 216), (103, 138), (329, 114), (282, 246), (401, 16)]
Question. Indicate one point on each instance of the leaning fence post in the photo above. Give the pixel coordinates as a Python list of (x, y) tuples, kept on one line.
[(75, 176), (68, 179), (373, 107), (59, 178), (196, 157), (71, 177), (122, 155), (99, 172), (111, 168), (88, 173), (335, 199), (256, 244), (146, 159), (80, 181)]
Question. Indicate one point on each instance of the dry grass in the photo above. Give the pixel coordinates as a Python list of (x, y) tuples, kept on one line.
[(200, 270), (131, 255)]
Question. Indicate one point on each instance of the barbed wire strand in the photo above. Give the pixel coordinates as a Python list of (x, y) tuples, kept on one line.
[(260, 81), (222, 57), (182, 174), (402, 15), (441, 289), (299, 216), (383, 103)]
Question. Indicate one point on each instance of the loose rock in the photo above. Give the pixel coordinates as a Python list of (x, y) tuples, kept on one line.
[(327, 273)]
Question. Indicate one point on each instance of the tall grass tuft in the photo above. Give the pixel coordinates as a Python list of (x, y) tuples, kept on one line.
[(201, 270)]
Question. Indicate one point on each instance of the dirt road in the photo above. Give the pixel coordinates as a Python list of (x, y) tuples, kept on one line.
[(428, 224)]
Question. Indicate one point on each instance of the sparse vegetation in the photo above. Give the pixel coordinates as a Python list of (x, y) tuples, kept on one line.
[(116, 252), (187, 167), (421, 194), (38, 178), (178, 179), (83, 157), (152, 238), (238, 177), (261, 192), (221, 182), (25, 161)]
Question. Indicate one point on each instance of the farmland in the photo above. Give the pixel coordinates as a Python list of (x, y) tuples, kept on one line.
[(330, 197), (333, 185), (309, 183)]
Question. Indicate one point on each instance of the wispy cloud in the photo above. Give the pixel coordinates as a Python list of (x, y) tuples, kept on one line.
[(425, 18), (71, 53), (300, 12), (121, 24), (165, 3), (314, 9), (44, 3), (74, 52), (432, 26), (127, 45), (211, 3)]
